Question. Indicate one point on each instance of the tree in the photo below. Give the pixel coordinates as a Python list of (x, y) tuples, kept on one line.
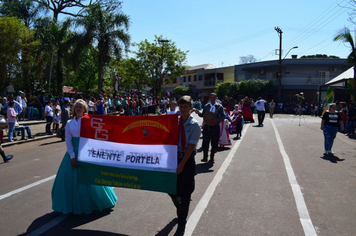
[(250, 88), (247, 59), (108, 30), (346, 37), (229, 89), (26, 10), (57, 42), (182, 90), (162, 60), (133, 73), (59, 6), (85, 71), (16, 39)]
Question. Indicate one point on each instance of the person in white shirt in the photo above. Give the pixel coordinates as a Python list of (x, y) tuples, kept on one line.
[(173, 108), (260, 106), (49, 117)]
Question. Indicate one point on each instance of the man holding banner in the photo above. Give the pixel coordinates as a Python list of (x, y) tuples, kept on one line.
[(189, 134)]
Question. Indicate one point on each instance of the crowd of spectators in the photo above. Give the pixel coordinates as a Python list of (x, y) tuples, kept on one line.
[(45, 106)]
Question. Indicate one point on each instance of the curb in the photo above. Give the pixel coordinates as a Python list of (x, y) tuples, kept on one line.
[(7, 144)]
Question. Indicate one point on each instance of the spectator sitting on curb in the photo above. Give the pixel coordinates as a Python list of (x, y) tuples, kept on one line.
[(13, 125)]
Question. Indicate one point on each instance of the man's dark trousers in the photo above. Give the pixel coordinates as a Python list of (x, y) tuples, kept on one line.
[(261, 117), (211, 133)]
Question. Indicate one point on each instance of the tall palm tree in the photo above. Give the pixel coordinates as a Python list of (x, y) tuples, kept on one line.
[(346, 37), (107, 29)]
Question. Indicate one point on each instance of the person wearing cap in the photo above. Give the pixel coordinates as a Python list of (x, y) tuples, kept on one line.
[(100, 105)]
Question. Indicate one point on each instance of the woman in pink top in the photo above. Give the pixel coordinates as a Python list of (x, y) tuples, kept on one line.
[(11, 119)]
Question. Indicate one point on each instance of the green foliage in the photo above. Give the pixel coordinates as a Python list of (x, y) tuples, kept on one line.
[(250, 88), (26, 10), (346, 37), (160, 60), (84, 76), (181, 90), (133, 74), (108, 31), (16, 42)]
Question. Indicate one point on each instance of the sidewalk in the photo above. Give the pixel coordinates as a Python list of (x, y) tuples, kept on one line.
[(37, 129)]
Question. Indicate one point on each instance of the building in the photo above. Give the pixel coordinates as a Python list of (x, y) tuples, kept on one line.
[(188, 79), (298, 75)]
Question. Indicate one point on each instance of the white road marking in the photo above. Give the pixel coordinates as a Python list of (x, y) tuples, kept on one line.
[(203, 203), (47, 226), (303, 212), (26, 187)]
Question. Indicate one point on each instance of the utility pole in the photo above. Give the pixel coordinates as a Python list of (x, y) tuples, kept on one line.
[(279, 31)]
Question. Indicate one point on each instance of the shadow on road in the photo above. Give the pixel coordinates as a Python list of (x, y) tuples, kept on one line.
[(68, 225), (204, 167), (59, 141), (166, 230), (331, 158)]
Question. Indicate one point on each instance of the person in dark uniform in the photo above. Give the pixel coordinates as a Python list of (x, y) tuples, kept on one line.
[(211, 128), (189, 134)]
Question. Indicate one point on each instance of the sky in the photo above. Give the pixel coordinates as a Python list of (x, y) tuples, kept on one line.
[(220, 32)]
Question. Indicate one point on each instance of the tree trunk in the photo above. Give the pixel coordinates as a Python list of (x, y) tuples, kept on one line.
[(100, 74)]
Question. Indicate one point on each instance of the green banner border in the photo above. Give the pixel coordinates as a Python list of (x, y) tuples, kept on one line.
[(157, 181)]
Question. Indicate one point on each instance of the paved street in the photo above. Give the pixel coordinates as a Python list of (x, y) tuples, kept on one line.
[(274, 181)]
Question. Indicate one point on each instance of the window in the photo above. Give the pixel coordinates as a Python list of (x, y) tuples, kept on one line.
[(200, 77), (189, 78), (195, 77), (184, 79), (323, 76)]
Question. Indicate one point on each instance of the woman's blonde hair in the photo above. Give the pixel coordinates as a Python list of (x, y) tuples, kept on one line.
[(80, 101)]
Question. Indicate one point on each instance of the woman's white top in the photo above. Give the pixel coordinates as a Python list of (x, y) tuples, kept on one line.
[(72, 130), (172, 111), (49, 110)]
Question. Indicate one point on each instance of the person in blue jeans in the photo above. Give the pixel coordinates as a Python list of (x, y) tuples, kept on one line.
[(22, 130), (330, 124), (13, 125)]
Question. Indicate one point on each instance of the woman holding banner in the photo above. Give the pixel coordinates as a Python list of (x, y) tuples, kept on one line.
[(69, 196)]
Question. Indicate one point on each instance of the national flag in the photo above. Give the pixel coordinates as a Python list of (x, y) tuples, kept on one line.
[(129, 151), (330, 95)]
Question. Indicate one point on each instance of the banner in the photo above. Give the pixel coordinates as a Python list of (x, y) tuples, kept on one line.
[(129, 151)]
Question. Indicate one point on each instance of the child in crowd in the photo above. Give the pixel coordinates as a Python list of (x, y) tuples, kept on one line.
[(239, 119), (56, 120), (224, 139), (173, 108), (235, 113), (189, 134)]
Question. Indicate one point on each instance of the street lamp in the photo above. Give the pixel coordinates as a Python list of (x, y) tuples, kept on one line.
[(280, 71), (289, 51), (280, 32)]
